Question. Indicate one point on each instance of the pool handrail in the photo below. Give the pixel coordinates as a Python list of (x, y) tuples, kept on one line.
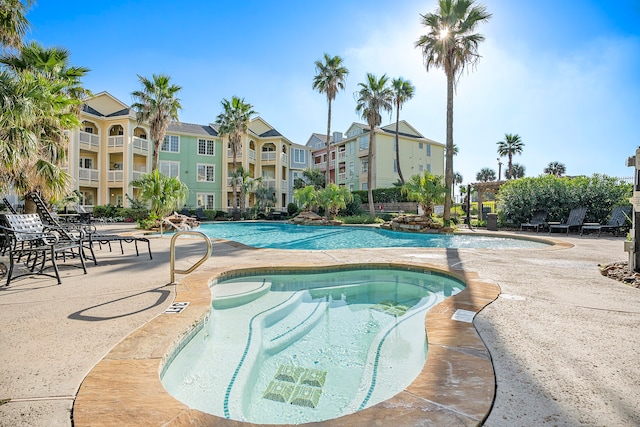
[(172, 253)]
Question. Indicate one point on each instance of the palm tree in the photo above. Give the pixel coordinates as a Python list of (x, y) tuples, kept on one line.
[(265, 196), (313, 177), (373, 96), (457, 180), (40, 96), (556, 169), (334, 198), (427, 190), (403, 91), (486, 174), (13, 22), (329, 79), (242, 179), (517, 171), (157, 105), (511, 145), (307, 197), (233, 123), (165, 194), (451, 44)]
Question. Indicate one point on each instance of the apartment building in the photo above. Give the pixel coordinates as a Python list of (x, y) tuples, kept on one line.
[(112, 149), (348, 163)]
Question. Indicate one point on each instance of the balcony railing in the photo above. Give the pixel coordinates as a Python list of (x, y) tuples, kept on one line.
[(115, 176), (284, 186), (140, 144), (89, 139), (342, 176), (252, 155), (230, 153), (284, 158), (268, 156), (269, 183), (321, 165), (115, 141), (90, 175), (138, 174), (342, 156)]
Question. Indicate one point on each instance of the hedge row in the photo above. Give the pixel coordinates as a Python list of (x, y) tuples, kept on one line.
[(382, 195), (520, 198)]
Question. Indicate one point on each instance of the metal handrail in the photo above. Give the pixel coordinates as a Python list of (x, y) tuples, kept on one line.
[(172, 253)]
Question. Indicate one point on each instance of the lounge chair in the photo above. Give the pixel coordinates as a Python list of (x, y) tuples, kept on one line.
[(537, 221), (8, 206), (28, 236), (200, 215), (616, 221), (575, 220), (92, 236)]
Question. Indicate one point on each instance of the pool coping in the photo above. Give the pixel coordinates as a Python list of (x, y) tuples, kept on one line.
[(455, 386)]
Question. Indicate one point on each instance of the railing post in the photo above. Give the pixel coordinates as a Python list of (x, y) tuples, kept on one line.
[(172, 253)]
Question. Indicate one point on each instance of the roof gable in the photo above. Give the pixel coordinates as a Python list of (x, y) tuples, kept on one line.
[(107, 105)]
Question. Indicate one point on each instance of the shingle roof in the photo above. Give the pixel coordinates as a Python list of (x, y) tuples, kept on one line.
[(123, 112), (180, 127), (90, 110), (270, 132), (408, 135)]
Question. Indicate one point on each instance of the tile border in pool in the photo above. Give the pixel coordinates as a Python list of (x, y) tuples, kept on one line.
[(456, 384)]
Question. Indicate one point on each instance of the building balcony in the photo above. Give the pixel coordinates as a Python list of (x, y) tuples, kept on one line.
[(284, 158), (115, 142), (268, 156), (252, 155), (115, 176), (140, 144), (138, 174), (322, 166), (342, 176), (89, 140), (88, 175), (230, 154), (342, 156)]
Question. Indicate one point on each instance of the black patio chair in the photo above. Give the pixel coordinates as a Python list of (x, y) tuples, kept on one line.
[(537, 221), (616, 222), (575, 220), (28, 236)]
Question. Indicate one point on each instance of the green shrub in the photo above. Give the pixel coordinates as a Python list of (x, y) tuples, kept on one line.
[(520, 198), (359, 219), (210, 214), (382, 195), (354, 207), (292, 209)]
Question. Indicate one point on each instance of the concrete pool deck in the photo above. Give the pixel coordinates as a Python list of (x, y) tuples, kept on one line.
[(562, 338)]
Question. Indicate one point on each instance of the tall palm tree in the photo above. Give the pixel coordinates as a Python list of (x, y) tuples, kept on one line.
[(40, 96), (13, 22), (457, 180), (157, 105), (233, 123), (330, 78), (451, 44), (403, 91), (373, 96), (486, 174), (556, 169), (511, 145)]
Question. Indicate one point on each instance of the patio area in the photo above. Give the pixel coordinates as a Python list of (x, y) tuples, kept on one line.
[(562, 338)]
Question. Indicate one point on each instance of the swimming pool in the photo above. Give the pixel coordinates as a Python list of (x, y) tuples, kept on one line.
[(292, 236), (302, 347)]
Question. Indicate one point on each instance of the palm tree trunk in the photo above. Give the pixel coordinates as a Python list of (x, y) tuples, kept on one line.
[(156, 153), (233, 183), (327, 177), (510, 166), (398, 144), (372, 135), (448, 169)]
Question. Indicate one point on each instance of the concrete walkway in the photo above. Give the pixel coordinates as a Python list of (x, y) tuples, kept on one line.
[(563, 338)]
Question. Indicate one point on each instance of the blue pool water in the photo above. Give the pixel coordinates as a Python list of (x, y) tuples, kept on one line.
[(291, 236), (301, 347)]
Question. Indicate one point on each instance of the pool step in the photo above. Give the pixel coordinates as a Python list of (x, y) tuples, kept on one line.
[(301, 316), (234, 294)]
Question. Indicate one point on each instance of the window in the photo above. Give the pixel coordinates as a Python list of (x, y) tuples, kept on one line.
[(428, 167), (170, 169), (298, 155), (351, 147), (365, 165), (420, 145), (395, 166), (351, 187), (88, 130), (351, 168), (87, 198), (420, 168), (205, 200), (363, 142), (428, 149), (364, 186), (206, 173), (206, 147), (171, 144), (86, 162)]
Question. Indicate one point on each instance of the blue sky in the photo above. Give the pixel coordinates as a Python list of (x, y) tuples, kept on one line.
[(564, 75)]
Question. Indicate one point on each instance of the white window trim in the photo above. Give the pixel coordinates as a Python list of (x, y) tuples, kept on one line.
[(170, 151), (205, 196), (206, 165), (170, 164), (206, 142)]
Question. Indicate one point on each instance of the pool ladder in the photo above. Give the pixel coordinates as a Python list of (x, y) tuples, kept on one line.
[(172, 253)]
